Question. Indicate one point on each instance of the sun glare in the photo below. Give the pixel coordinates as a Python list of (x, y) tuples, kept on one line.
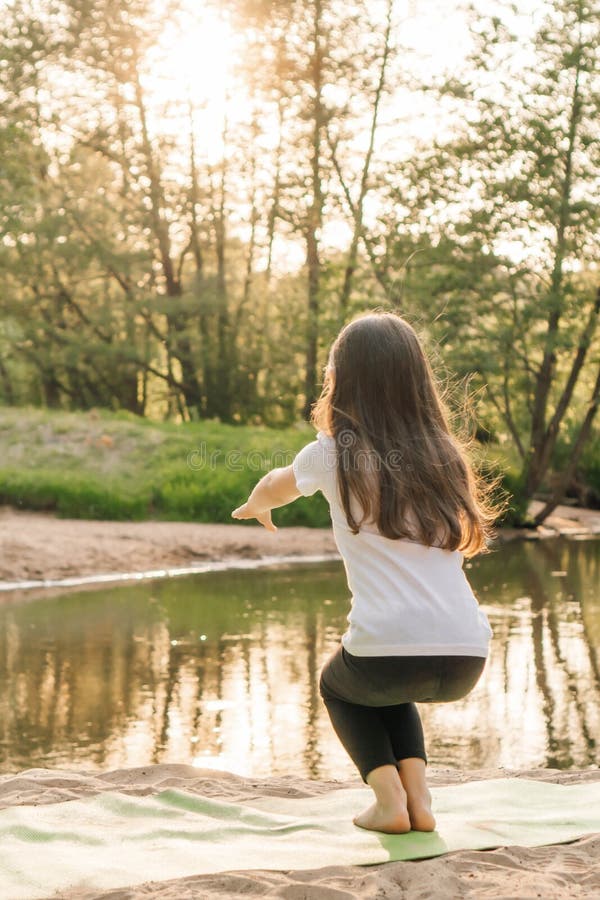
[(199, 59), (191, 67)]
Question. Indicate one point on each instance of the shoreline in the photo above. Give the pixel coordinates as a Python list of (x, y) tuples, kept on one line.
[(41, 552)]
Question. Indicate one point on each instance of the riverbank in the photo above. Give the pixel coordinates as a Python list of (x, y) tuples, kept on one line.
[(38, 547), (550, 871)]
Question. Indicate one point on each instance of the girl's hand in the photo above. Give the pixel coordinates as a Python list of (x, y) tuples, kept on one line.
[(264, 517)]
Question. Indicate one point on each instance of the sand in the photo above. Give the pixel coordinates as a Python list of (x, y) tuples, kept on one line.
[(41, 546), (557, 871), (38, 546)]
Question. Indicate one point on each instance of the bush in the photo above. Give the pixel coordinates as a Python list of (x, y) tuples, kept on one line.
[(508, 493), (515, 514), (585, 485)]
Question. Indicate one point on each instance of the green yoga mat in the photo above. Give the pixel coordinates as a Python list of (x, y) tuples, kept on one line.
[(113, 840)]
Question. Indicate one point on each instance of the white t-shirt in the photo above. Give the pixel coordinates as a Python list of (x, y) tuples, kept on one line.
[(407, 599)]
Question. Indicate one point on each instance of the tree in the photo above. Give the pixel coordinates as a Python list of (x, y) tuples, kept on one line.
[(326, 64), (500, 223)]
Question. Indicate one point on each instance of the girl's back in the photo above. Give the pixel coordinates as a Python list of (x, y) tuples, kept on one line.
[(407, 598), (405, 504)]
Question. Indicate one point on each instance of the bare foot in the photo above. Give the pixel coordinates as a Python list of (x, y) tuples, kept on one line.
[(389, 819), (419, 811)]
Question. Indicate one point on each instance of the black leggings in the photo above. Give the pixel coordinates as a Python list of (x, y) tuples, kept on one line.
[(371, 701)]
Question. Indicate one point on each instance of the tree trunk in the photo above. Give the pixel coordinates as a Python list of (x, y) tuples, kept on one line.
[(314, 221), (364, 180), (178, 322), (541, 441)]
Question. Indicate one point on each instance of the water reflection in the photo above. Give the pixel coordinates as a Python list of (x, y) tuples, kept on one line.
[(221, 670)]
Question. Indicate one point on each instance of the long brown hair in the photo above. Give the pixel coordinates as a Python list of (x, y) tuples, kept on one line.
[(381, 405)]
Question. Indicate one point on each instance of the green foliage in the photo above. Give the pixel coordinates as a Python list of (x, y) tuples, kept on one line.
[(585, 487), (513, 487), (118, 466), (590, 471), (72, 496), (503, 216), (500, 467)]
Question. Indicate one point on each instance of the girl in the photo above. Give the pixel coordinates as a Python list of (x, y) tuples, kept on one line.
[(406, 507)]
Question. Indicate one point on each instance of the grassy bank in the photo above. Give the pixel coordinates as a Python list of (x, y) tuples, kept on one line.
[(98, 465)]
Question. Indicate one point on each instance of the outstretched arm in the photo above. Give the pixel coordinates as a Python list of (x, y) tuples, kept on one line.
[(276, 488)]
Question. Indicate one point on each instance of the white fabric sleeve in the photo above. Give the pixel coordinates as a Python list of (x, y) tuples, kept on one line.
[(314, 466)]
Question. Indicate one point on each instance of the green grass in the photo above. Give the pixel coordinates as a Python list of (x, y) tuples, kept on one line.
[(101, 465)]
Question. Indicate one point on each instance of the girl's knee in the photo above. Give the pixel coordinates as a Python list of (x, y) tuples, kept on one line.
[(323, 690), (326, 691), (325, 679)]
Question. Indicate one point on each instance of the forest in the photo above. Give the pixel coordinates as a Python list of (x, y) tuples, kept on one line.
[(194, 198)]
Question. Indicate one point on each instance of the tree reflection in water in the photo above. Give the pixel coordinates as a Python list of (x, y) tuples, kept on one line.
[(221, 671)]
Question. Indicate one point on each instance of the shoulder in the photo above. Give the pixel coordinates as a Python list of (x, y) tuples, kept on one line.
[(322, 448), (326, 440), (315, 464)]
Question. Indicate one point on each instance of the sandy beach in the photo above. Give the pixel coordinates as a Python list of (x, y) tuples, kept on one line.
[(550, 872), (39, 546)]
